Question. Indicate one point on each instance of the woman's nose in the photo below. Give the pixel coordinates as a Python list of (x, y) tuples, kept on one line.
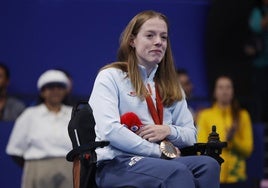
[(158, 40)]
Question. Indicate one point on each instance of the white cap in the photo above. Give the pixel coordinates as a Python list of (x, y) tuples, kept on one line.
[(52, 76)]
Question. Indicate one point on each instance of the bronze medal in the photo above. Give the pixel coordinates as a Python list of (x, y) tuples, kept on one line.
[(168, 150)]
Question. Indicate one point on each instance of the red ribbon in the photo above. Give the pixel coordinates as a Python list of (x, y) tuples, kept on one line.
[(156, 112)]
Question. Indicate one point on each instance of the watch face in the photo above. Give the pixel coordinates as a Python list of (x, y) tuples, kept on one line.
[(168, 149)]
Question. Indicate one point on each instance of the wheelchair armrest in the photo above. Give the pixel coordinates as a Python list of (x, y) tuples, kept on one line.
[(84, 149), (212, 149)]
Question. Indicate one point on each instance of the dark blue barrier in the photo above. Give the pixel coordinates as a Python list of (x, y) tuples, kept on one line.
[(255, 164), (10, 173)]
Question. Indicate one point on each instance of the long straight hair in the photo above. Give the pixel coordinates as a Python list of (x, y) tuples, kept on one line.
[(165, 77)]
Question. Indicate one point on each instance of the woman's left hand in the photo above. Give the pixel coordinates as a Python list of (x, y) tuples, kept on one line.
[(154, 133)]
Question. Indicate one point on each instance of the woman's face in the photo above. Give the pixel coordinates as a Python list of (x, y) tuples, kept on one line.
[(54, 94), (223, 92), (151, 42)]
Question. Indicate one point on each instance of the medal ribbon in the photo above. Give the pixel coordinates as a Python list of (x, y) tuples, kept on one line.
[(166, 147), (156, 112)]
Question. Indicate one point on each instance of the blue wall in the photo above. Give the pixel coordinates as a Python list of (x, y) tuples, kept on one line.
[(82, 36), (10, 172)]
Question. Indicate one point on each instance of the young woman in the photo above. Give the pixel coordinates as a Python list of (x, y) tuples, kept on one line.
[(144, 82), (234, 126)]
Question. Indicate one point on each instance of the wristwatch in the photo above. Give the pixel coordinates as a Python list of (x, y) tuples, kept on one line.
[(168, 150)]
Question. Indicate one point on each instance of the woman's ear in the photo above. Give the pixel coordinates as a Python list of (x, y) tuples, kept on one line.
[(132, 44), (132, 41)]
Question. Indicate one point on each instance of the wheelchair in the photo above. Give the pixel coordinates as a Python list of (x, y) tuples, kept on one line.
[(82, 134)]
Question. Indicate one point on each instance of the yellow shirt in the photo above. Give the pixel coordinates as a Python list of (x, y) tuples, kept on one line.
[(233, 169)]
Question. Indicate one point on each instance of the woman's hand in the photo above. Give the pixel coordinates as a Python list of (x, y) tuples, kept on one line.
[(154, 133)]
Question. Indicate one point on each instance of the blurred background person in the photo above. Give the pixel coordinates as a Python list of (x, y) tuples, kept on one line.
[(187, 86), (10, 107), (258, 24), (39, 140), (185, 82), (234, 126)]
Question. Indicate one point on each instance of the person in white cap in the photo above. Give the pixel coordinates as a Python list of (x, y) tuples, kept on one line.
[(39, 140)]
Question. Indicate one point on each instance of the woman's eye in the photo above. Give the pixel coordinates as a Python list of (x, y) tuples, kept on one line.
[(149, 36), (164, 37)]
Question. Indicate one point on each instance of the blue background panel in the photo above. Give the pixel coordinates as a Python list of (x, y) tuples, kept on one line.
[(82, 36)]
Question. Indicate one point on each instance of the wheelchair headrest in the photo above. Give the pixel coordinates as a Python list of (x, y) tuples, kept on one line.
[(81, 129), (81, 126)]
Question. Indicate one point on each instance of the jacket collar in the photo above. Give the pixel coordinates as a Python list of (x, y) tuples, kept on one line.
[(143, 72)]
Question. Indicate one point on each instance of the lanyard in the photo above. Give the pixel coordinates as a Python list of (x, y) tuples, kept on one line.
[(156, 112)]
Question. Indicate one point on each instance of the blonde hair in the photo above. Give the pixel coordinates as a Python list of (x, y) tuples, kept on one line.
[(165, 77)]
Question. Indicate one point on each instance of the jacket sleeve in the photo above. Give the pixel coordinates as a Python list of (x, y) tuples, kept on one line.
[(18, 140), (203, 127), (243, 139), (183, 131)]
